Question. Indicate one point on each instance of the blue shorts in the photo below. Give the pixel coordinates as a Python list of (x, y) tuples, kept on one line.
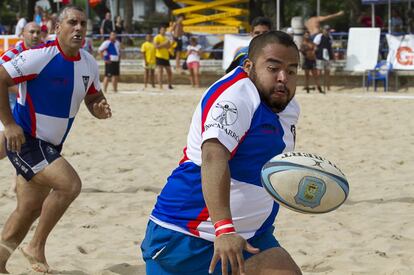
[(168, 252), (35, 154)]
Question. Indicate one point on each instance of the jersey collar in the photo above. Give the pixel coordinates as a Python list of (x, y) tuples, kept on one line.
[(68, 58)]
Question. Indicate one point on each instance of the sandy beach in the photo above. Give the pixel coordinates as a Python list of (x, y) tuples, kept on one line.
[(123, 163)]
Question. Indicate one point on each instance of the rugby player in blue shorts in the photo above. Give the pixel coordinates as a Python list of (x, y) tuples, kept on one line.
[(53, 81), (213, 215)]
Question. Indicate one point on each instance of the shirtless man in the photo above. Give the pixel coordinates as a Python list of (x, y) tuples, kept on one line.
[(177, 30), (313, 24)]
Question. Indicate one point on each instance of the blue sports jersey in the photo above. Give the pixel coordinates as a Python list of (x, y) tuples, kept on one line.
[(111, 50), (51, 89), (232, 112)]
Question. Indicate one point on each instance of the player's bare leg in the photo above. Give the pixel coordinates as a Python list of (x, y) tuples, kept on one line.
[(146, 75), (30, 198), (115, 83), (169, 77), (272, 261), (160, 73), (197, 76), (192, 77), (152, 77), (307, 80), (105, 84), (66, 186)]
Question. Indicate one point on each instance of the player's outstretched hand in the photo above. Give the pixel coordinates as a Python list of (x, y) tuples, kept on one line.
[(229, 249), (14, 137), (102, 110)]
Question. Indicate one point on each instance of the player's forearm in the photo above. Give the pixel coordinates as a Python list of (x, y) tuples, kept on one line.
[(215, 176)]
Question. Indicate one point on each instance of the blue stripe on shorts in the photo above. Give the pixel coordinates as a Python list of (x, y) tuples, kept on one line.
[(168, 252)]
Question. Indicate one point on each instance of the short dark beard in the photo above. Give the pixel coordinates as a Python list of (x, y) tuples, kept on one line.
[(276, 107)]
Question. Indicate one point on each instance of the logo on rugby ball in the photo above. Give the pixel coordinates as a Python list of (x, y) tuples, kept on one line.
[(310, 192), (225, 113)]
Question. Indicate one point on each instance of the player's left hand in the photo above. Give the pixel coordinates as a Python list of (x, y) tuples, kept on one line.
[(102, 110), (228, 248)]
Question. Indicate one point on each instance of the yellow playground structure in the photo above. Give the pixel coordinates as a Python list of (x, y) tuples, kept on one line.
[(216, 17)]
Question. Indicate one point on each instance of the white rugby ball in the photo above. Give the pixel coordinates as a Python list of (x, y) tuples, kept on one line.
[(305, 182)]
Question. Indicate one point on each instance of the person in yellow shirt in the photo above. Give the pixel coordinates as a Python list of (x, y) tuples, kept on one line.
[(148, 50), (162, 56)]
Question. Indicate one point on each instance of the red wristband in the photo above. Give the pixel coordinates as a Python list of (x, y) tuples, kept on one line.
[(222, 222), (228, 230), (224, 227)]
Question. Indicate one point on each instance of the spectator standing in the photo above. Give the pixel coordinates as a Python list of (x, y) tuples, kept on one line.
[(148, 50), (38, 15), (177, 31), (106, 26), (119, 28), (162, 56), (396, 22), (308, 49), (324, 55), (110, 51), (21, 22), (193, 61)]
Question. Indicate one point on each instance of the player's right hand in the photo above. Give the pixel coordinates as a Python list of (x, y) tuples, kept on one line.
[(14, 136), (229, 249)]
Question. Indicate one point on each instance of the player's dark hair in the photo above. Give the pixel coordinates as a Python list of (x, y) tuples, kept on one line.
[(62, 12), (259, 42), (261, 21), (164, 25)]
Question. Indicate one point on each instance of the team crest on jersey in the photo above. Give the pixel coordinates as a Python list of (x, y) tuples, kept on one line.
[(225, 113), (85, 79)]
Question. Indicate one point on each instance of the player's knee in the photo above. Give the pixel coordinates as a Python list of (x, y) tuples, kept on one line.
[(75, 189), (30, 207)]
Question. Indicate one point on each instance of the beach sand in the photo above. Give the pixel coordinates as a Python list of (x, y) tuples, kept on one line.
[(123, 163)]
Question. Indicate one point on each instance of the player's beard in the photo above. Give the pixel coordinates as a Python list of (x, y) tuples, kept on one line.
[(276, 104)]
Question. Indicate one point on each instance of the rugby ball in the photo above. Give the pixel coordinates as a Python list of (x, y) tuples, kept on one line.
[(304, 182)]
